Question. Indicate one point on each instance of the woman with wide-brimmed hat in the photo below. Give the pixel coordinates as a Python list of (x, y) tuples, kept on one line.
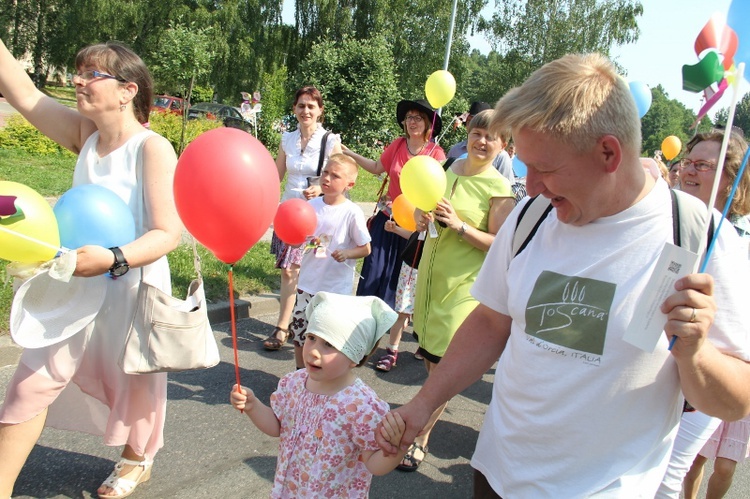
[(420, 123)]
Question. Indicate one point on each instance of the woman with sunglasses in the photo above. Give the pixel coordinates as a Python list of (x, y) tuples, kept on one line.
[(113, 93), (697, 177)]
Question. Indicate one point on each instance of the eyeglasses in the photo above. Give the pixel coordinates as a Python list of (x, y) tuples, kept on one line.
[(413, 118), (90, 75), (699, 165)]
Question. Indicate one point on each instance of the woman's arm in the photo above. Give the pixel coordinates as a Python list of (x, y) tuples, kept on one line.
[(63, 125), (372, 166), (281, 162), (499, 210), (164, 225)]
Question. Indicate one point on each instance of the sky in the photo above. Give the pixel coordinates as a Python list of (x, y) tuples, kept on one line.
[(668, 32)]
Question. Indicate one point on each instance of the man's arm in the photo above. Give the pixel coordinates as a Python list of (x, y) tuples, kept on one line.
[(713, 382), (477, 344)]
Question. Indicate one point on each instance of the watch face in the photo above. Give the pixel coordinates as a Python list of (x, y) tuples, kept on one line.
[(119, 270)]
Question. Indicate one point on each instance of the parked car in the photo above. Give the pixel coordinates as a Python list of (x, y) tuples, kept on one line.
[(230, 116), (169, 103)]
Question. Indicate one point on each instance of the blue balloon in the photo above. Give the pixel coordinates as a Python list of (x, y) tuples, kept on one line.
[(642, 95), (737, 19), (92, 214), (519, 169)]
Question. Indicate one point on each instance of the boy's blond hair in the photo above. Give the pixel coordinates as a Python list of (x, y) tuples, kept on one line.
[(577, 99), (348, 163)]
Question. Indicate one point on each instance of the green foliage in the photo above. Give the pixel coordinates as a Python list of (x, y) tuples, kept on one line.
[(741, 115), (359, 91), (202, 93), (6, 298), (274, 97), (183, 58), (665, 117), (20, 134), (170, 126)]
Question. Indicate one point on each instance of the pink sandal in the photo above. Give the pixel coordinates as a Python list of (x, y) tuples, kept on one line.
[(387, 361)]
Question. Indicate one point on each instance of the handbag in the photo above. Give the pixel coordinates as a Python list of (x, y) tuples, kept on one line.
[(168, 334)]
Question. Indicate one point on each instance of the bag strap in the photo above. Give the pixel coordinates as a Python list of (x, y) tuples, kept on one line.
[(380, 194), (537, 209), (448, 163), (688, 217), (140, 204), (322, 152)]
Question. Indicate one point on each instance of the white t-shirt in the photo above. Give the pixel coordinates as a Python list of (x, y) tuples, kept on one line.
[(576, 411), (302, 164), (340, 226)]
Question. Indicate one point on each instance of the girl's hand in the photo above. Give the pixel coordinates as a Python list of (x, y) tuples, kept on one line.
[(445, 213), (390, 226), (392, 428), (312, 192), (242, 399)]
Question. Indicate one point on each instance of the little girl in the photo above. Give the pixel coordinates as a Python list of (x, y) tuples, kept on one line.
[(325, 415)]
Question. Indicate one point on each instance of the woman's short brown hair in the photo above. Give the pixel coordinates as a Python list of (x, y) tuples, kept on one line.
[(119, 60)]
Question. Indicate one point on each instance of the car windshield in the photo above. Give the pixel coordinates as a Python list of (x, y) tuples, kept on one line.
[(161, 102)]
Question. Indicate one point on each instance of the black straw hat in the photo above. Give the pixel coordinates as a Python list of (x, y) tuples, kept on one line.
[(420, 105), (477, 107)]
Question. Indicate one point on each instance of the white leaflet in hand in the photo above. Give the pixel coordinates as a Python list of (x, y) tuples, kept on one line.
[(647, 326)]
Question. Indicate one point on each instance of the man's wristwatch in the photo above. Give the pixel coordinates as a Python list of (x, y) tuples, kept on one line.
[(120, 267)]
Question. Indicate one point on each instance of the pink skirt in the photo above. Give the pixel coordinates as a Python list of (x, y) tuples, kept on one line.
[(730, 441)]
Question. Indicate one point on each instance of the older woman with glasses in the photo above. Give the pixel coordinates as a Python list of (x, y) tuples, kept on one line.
[(697, 177), (81, 373), (381, 269)]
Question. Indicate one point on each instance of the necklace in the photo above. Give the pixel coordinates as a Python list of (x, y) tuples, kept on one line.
[(418, 151)]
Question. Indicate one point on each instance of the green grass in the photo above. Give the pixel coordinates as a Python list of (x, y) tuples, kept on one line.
[(49, 175)]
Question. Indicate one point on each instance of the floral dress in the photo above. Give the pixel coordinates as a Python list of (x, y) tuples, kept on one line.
[(323, 437)]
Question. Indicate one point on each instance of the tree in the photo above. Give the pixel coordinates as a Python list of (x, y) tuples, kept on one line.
[(741, 115), (359, 87), (666, 117)]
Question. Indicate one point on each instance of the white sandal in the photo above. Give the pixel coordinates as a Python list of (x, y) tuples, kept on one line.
[(123, 487)]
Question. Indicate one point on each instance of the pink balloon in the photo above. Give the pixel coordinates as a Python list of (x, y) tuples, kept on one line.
[(226, 189), (295, 221)]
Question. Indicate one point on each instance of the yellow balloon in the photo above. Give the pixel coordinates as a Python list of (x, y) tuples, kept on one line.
[(423, 182), (440, 88), (671, 147), (34, 222), (403, 213)]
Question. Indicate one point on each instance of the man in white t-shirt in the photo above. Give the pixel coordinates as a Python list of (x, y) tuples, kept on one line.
[(577, 411)]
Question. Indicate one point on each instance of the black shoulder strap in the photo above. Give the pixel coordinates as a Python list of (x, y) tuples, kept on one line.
[(322, 152), (538, 208), (448, 163)]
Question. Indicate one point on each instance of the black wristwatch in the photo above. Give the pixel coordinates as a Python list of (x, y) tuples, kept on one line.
[(120, 267)]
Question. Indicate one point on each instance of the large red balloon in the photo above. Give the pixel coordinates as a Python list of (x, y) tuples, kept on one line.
[(226, 188), (295, 221)]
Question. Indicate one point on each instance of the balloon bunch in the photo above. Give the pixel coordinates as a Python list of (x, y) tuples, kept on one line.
[(32, 231), (720, 46)]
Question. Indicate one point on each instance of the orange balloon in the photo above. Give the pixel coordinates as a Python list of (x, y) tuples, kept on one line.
[(671, 147), (403, 213)]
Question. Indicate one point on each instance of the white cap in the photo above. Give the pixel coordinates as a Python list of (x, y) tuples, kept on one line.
[(352, 324)]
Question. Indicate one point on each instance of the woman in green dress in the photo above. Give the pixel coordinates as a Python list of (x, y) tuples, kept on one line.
[(477, 201)]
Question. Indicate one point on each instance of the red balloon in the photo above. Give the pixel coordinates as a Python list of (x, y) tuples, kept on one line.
[(226, 188), (295, 221)]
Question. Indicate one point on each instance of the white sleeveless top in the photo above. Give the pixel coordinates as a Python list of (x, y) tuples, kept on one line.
[(302, 164)]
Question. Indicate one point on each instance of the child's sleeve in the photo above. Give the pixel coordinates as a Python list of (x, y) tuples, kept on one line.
[(372, 411), (358, 232)]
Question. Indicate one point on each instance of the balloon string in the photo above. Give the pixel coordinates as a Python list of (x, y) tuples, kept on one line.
[(234, 330), (59, 249)]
